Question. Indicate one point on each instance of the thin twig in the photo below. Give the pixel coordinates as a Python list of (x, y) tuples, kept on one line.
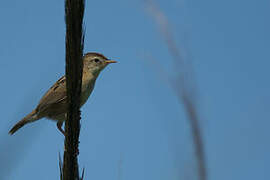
[(82, 176), (183, 85), (60, 166), (120, 168)]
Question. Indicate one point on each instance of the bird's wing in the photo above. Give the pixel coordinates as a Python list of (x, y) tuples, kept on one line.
[(55, 95)]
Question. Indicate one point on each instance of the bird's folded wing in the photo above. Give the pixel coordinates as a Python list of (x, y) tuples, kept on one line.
[(55, 95)]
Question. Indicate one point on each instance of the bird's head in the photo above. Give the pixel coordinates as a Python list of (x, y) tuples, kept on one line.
[(95, 62)]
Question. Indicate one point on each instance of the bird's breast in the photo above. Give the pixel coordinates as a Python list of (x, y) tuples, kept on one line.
[(87, 89)]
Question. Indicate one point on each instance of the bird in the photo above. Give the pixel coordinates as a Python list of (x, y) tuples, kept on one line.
[(53, 105)]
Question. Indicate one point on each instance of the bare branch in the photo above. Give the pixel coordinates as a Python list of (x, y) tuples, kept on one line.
[(74, 10)]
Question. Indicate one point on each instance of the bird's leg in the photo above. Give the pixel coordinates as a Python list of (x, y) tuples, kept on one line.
[(59, 126)]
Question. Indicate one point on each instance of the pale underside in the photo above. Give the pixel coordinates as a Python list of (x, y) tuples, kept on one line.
[(53, 104)]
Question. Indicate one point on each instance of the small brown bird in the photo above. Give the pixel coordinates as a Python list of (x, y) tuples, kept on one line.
[(53, 105)]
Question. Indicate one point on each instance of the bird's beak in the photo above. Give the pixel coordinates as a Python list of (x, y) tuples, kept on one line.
[(110, 61)]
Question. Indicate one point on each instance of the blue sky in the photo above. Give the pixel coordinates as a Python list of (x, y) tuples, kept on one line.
[(133, 117)]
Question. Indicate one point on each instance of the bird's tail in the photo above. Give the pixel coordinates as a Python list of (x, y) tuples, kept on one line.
[(31, 117)]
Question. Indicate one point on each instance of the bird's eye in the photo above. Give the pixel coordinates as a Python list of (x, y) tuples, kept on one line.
[(96, 60)]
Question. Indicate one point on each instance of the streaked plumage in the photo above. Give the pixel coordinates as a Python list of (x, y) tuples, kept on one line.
[(53, 105)]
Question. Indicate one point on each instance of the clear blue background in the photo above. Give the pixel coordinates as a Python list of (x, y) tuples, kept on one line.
[(133, 127)]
